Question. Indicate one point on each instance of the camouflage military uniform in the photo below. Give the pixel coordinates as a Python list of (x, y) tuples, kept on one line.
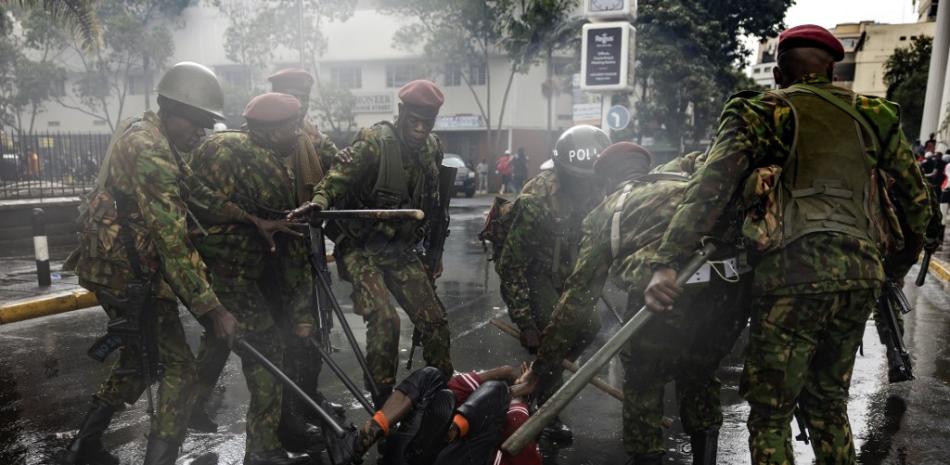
[(686, 345), (154, 181), (258, 179), (815, 293), (539, 254), (377, 257)]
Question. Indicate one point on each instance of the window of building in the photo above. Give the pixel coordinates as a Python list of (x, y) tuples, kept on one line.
[(347, 77), (53, 124), (844, 71), (399, 74), (478, 74), (234, 75), (453, 75), (903, 38)]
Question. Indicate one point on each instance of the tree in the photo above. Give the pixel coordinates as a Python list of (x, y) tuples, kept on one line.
[(537, 30), (905, 74), (335, 110), (78, 15), (687, 55), (136, 40), (457, 34), (29, 75)]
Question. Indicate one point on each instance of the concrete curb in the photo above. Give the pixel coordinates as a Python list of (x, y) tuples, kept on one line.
[(940, 269)]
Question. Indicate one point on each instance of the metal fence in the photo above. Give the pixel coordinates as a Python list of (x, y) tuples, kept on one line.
[(34, 166)]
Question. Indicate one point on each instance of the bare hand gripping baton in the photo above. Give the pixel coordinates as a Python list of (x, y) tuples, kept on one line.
[(532, 428)]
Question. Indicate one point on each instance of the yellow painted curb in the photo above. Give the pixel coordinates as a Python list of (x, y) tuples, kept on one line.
[(46, 305), (940, 269)]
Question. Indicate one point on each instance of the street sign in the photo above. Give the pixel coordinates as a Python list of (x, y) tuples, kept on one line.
[(607, 56), (618, 117), (610, 10)]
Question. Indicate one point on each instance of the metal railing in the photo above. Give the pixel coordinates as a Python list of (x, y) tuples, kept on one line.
[(44, 165)]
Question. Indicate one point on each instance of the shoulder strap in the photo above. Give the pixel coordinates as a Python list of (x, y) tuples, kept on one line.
[(849, 109), (663, 176), (391, 176)]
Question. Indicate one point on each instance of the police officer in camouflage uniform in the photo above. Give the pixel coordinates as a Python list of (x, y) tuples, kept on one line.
[(825, 237), (298, 82), (619, 238), (393, 166), (541, 246), (313, 156), (251, 168), (134, 233)]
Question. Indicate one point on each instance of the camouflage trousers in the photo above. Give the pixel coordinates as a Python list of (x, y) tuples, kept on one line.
[(374, 276), (174, 399), (256, 325), (685, 347), (544, 295), (802, 350)]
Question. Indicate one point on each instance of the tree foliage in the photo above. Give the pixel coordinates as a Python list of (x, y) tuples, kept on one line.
[(687, 55), (136, 40), (905, 74), (78, 15), (30, 74)]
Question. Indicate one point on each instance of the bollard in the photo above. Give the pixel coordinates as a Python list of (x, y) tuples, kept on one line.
[(40, 247)]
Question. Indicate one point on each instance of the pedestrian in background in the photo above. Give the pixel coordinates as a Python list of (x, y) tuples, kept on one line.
[(945, 193), (519, 170), (503, 169), (482, 170)]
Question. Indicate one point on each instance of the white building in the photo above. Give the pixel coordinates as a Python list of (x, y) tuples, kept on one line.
[(361, 57)]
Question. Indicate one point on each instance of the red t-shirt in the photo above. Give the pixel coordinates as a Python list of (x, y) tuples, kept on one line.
[(465, 384)]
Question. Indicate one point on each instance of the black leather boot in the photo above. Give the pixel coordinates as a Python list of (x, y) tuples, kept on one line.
[(296, 435), (200, 421), (705, 445), (161, 451), (274, 457), (557, 431), (86, 447)]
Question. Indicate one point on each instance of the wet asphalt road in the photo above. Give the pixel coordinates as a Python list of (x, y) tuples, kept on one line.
[(46, 378)]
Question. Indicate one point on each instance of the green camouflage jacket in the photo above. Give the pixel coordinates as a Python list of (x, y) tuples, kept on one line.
[(350, 185), (258, 179), (143, 169), (646, 213), (542, 215), (756, 132)]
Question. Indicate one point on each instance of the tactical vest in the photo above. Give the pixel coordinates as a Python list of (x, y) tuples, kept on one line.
[(390, 191), (828, 182)]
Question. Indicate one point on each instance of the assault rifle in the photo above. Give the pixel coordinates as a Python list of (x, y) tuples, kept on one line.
[(893, 300), (439, 222), (135, 330)]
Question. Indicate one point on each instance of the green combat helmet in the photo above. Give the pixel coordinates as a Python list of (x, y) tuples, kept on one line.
[(577, 149), (194, 85)]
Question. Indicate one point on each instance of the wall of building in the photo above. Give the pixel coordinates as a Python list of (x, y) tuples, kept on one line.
[(879, 43)]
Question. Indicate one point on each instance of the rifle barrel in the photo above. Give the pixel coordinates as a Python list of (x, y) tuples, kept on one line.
[(283, 378), (532, 428), (924, 266)]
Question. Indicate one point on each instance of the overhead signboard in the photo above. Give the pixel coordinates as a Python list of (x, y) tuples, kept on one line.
[(607, 56), (458, 122), (610, 9), (381, 102), (585, 106)]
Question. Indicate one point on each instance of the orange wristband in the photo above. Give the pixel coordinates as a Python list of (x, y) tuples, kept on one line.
[(382, 421), (461, 423)]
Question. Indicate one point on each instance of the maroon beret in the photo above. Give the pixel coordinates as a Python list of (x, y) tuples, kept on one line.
[(619, 152), (272, 108), (810, 35), (292, 78), (422, 95)]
